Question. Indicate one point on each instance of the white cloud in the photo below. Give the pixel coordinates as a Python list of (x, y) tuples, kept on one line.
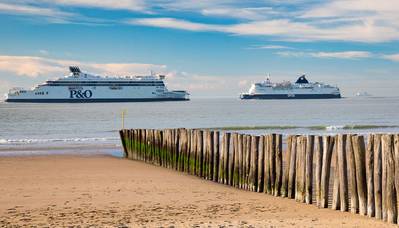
[(21, 9), (32, 66), (257, 13), (338, 55), (342, 55), (270, 47), (132, 5), (392, 57), (174, 23), (301, 20), (283, 29)]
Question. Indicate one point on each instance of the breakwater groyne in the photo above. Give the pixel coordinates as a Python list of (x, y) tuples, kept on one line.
[(354, 173)]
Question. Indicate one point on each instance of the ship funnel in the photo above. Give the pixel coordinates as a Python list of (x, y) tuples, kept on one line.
[(74, 69)]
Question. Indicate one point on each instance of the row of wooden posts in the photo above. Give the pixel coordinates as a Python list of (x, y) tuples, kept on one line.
[(343, 172)]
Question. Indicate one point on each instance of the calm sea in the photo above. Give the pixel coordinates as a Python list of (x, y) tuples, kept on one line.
[(26, 128)]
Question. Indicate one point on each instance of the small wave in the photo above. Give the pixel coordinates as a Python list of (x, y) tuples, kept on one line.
[(316, 127), (39, 141)]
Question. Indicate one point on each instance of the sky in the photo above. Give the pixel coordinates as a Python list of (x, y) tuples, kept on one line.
[(210, 48)]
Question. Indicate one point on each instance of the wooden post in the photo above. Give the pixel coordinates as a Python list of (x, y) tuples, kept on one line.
[(267, 181), (279, 164), (360, 161), (336, 196), (319, 161), (370, 175), (352, 175), (328, 145), (123, 139), (309, 169), (231, 152), (292, 169), (222, 159), (226, 157), (390, 193), (240, 160), (261, 162), (272, 154), (396, 154), (205, 155), (159, 147), (200, 148), (193, 151), (187, 162), (378, 176), (211, 147), (342, 170), (286, 169), (247, 160), (236, 175), (216, 155), (301, 167), (253, 171)]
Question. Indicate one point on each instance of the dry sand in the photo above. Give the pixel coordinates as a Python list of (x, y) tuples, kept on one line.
[(102, 191)]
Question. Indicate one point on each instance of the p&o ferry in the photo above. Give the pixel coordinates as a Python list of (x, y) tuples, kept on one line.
[(84, 87), (301, 89)]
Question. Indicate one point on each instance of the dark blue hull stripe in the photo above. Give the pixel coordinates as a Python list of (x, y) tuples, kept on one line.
[(102, 100), (285, 96)]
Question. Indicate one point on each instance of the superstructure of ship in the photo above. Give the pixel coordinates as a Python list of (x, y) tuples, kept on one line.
[(301, 89), (83, 87)]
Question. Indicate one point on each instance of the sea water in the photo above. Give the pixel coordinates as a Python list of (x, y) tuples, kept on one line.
[(32, 127)]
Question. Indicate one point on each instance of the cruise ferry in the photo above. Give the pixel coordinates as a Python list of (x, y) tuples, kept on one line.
[(83, 87), (301, 89)]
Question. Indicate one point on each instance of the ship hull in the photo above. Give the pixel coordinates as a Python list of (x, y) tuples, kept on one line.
[(97, 100), (289, 96)]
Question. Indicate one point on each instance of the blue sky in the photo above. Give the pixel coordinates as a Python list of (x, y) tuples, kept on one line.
[(211, 48)]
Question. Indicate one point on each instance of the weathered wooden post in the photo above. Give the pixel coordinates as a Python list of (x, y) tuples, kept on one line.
[(193, 154), (244, 162), (236, 174), (267, 181), (370, 175), (378, 176), (396, 154), (240, 160), (253, 168), (205, 155), (352, 175), (278, 163), (231, 152), (200, 147), (309, 169), (224, 158), (300, 169), (319, 162), (123, 139), (292, 169), (328, 146), (211, 155), (286, 169), (261, 162), (272, 157), (342, 170), (216, 155), (247, 160), (336, 196), (390, 192), (360, 161)]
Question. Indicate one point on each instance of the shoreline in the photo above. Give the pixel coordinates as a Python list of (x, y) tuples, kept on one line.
[(102, 190)]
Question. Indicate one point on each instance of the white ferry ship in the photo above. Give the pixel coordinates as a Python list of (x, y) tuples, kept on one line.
[(301, 89), (83, 87)]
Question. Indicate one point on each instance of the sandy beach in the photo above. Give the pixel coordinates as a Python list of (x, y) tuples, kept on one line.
[(105, 191)]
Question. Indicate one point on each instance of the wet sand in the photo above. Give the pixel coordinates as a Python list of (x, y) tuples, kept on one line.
[(100, 191)]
